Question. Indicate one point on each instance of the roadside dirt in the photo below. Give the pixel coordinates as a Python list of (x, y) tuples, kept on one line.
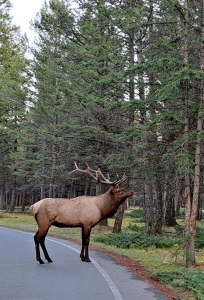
[(134, 266)]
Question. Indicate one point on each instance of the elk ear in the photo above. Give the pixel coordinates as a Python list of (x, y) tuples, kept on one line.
[(112, 190)]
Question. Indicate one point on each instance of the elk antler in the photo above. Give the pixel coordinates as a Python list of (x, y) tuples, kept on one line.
[(88, 171), (99, 173)]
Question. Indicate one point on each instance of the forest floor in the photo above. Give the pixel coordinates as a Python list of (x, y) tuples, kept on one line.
[(143, 261)]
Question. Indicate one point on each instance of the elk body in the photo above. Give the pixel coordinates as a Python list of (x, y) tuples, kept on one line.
[(83, 211)]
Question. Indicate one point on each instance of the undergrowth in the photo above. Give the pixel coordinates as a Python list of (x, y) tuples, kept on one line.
[(135, 227), (199, 242), (132, 240), (135, 213), (193, 281)]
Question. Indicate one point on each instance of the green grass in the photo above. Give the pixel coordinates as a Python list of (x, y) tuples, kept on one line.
[(193, 281), (166, 264)]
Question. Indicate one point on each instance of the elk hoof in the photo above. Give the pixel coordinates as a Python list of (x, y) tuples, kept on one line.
[(49, 260), (88, 259), (41, 261)]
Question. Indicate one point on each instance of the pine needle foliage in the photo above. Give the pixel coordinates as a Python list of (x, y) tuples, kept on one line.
[(133, 240), (186, 279)]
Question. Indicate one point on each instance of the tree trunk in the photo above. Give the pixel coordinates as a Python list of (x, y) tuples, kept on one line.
[(3, 199), (100, 189), (170, 218), (14, 195), (72, 192), (149, 203), (42, 184), (192, 218), (160, 208), (131, 51), (88, 186), (54, 163), (190, 260), (33, 196), (119, 218), (24, 198), (190, 256)]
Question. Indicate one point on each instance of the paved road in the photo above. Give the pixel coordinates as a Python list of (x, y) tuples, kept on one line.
[(23, 278)]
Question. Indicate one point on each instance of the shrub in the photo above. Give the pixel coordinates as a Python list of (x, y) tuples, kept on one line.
[(179, 228), (131, 240), (187, 279), (136, 228), (182, 211), (199, 242), (136, 213)]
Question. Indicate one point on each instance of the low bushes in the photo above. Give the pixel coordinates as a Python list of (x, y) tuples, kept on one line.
[(199, 242), (186, 279), (133, 240), (136, 228), (135, 213)]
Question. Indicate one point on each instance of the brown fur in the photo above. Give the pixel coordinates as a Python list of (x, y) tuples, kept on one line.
[(84, 212)]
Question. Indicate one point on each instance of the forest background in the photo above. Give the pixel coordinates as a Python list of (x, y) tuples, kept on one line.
[(116, 84)]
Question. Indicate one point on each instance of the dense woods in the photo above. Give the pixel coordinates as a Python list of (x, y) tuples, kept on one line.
[(116, 84)]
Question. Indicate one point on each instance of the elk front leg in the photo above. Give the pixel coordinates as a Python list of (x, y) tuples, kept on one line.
[(85, 244), (82, 247)]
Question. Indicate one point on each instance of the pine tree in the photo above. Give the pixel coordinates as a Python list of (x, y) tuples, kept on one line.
[(12, 92), (53, 105)]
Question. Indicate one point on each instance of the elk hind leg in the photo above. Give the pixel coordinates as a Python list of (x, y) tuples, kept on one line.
[(37, 248), (42, 244), (39, 239)]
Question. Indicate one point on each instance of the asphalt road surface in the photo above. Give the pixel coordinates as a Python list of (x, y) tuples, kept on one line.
[(23, 278)]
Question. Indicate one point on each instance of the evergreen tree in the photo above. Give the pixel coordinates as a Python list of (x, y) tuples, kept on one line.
[(52, 106), (12, 93)]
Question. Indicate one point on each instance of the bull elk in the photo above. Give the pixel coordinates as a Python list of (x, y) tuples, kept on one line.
[(83, 211)]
